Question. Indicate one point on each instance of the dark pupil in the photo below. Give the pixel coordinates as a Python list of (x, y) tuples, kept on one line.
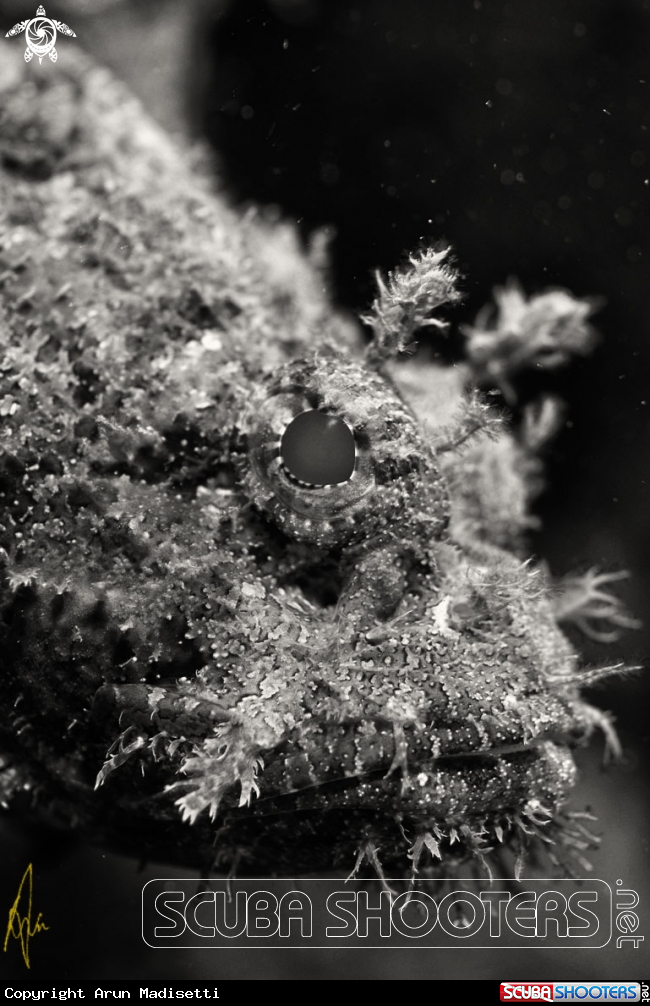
[(318, 448)]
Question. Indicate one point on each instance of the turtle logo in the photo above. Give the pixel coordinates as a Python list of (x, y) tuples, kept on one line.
[(40, 35)]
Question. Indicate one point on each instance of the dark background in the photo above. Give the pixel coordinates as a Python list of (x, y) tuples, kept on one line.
[(519, 133)]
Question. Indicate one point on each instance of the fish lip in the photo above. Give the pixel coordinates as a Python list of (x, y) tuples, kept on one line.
[(327, 789), (505, 749)]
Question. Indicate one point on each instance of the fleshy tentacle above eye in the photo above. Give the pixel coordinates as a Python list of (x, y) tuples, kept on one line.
[(410, 299)]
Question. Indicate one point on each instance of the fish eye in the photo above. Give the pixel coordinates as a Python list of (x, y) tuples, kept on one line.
[(318, 449), (332, 455)]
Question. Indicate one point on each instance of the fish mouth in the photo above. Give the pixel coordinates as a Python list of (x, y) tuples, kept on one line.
[(461, 806), (401, 782)]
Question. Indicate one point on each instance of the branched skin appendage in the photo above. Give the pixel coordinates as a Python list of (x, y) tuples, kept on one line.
[(598, 613), (264, 607), (544, 332)]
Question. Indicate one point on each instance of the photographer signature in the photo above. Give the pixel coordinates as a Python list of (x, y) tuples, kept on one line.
[(19, 925)]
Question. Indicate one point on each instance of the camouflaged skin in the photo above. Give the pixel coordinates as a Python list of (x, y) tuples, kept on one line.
[(204, 660)]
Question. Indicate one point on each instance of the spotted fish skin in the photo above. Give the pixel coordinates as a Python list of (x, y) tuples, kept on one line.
[(205, 658)]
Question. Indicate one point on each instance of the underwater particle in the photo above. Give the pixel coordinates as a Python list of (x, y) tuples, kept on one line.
[(329, 173), (595, 180), (623, 216)]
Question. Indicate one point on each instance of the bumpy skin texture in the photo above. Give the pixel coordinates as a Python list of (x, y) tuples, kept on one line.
[(203, 659)]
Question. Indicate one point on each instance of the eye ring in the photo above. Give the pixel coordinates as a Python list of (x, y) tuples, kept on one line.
[(377, 452), (321, 512)]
